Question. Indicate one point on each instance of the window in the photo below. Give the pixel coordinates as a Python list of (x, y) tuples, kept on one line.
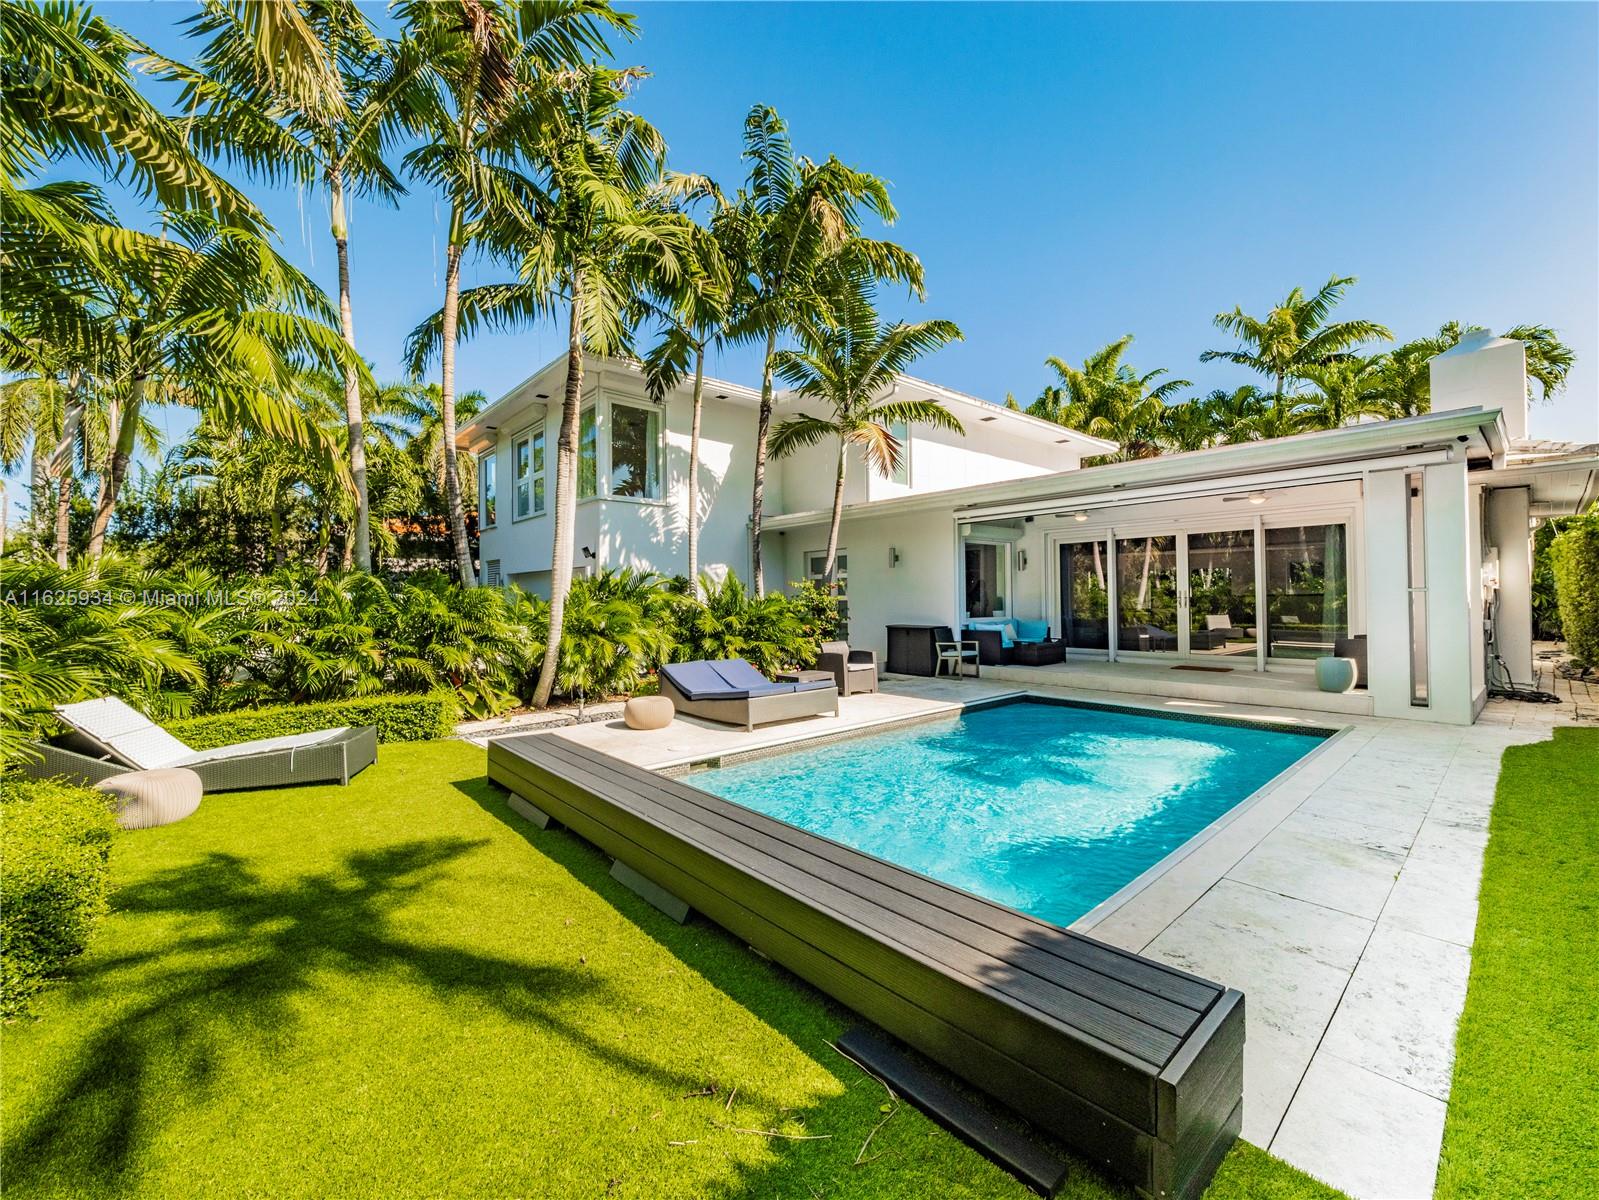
[(816, 572), (527, 469), (485, 491), (987, 573), (1307, 591), (635, 452), (588, 455), (901, 433)]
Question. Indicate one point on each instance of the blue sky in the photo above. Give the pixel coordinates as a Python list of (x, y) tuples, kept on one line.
[(1071, 173)]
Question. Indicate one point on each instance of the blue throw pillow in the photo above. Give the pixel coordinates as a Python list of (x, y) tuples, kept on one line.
[(1032, 631)]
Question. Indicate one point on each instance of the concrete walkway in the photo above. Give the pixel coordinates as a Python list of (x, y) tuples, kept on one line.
[(1341, 900)]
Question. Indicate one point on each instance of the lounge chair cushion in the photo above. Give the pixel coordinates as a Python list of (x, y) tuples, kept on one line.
[(291, 741), (120, 731), (1006, 631), (730, 679), (1031, 631)]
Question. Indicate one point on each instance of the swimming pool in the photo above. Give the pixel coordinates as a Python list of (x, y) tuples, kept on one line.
[(1047, 807)]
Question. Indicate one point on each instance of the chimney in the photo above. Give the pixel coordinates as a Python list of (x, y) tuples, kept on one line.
[(1483, 371)]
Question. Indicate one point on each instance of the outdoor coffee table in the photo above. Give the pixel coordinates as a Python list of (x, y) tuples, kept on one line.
[(805, 677)]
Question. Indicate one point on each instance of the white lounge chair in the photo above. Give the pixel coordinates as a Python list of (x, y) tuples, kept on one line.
[(109, 737)]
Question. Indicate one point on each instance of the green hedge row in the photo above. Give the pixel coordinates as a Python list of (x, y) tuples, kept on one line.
[(1575, 557), (398, 719), (55, 840)]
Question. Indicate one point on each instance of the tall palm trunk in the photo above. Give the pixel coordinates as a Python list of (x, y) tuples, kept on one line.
[(452, 478), (830, 567), (565, 497), (763, 428), (694, 474), (61, 467), (352, 382), (117, 469)]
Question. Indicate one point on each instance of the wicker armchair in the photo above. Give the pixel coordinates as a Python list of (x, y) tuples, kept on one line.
[(854, 671)]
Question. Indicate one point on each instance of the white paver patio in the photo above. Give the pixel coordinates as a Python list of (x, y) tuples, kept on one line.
[(1341, 900)]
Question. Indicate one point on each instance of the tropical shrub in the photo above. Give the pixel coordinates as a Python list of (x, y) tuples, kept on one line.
[(1545, 599), (397, 719), (816, 605), (1575, 558), (619, 625), (731, 622), (67, 634), (56, 843)]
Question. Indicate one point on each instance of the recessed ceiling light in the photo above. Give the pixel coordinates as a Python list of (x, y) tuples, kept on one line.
[(541, 395), (721, 395), (990, 418), (1062, 441)]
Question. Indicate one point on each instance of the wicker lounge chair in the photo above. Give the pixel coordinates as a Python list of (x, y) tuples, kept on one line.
[(109, 737), (736, 693)]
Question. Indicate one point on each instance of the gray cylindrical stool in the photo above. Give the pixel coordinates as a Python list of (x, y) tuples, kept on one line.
[(145, 799), (1336, 674), (648, 712)]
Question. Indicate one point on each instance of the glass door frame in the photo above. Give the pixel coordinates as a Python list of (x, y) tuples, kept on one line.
[(1005, 569)]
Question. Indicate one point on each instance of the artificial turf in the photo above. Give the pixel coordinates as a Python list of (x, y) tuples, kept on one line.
[(400, 989), (1524, 1106)]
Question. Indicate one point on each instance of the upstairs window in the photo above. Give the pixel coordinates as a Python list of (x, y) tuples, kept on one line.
[(588, 455), (635, 452), (527, 470), (901, 433), (485, 491)]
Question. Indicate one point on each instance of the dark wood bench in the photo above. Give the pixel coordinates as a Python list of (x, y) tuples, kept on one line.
[(1136, 1066)]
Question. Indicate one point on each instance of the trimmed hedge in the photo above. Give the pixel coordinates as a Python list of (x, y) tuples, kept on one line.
[(1575, 557), (398, 719), (55, 840)]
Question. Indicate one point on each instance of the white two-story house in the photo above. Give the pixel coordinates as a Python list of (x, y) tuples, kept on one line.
[(1410, 537)]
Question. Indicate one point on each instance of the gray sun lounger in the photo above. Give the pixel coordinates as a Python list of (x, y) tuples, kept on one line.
[(108, 737), (736, 693)]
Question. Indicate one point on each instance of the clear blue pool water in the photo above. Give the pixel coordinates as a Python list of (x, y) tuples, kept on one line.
[(1047, 808)]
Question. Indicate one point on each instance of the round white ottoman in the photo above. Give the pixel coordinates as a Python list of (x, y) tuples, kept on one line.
[(648, 712), (145, 799)]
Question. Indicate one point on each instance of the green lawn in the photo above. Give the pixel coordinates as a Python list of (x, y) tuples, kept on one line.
[(1524, 1106), (399, 989)]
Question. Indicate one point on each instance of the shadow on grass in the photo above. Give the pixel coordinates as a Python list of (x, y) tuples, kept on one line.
[(809, 1019), (243, 950)]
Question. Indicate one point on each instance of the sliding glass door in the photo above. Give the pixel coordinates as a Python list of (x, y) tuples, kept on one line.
[(1307, 591), (1084, 597), (1220, 597), (1147, 594), (987, 579)]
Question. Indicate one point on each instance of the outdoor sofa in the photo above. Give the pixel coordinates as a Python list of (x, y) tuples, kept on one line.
[(109, 737), (854, 671), (733, 692), (1022, 643)]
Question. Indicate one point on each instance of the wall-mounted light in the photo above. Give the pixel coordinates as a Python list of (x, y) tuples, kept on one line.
[(1257, 497), (893, 557), (587, 553), (1079, 516), (1021, 560)]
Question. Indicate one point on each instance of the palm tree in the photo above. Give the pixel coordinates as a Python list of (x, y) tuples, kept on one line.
[(1295, 334), (1106, 397), (1187, 425), (328, 126), (489, 61), (692, 316), (1342, 392), (211, 316), (603, 229), (1280, 417), (1230, 412), (794, 230), (851, 367)]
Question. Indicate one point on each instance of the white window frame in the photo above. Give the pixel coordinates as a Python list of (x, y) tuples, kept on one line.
[(488, 485), (608, 459), (533, 437), (902, 477), (841, 583)]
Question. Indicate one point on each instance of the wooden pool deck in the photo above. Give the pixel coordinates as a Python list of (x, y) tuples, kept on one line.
[(1135, 1065)]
